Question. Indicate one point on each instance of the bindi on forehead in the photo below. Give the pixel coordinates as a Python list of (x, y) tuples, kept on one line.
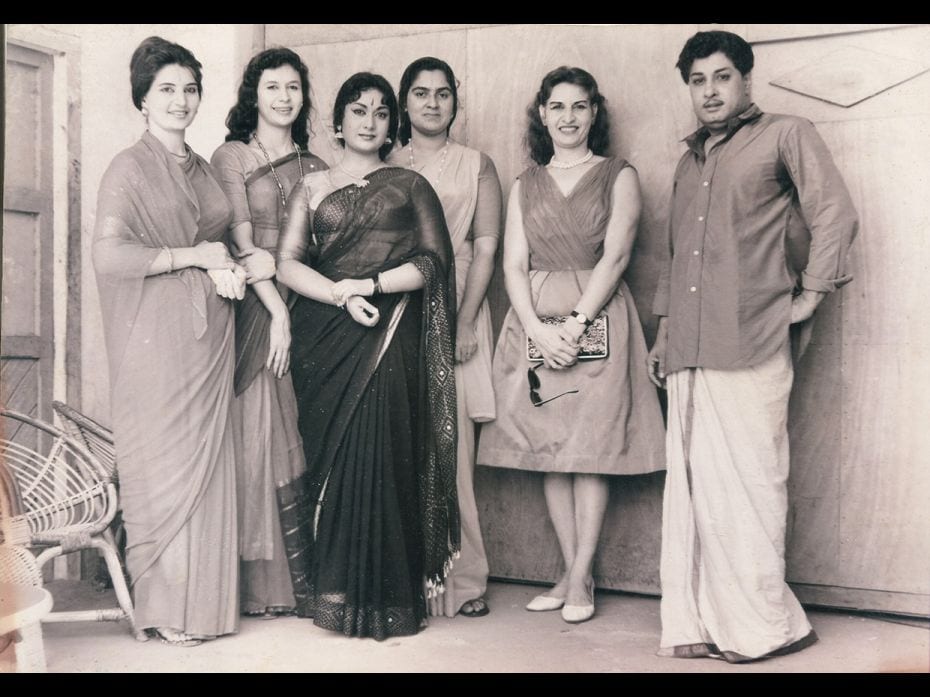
[(371, 99)]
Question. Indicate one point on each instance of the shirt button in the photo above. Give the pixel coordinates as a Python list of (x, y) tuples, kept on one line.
[(706, 183), (696, 252), (693, 289), (701, 218)]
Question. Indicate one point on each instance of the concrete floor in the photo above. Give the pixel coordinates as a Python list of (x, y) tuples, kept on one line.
[(623, 637)]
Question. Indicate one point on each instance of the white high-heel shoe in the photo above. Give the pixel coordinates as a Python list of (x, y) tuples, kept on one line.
[(580, 613), (544, 603)]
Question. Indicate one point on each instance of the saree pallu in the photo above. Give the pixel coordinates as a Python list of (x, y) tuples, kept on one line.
[(377, 513), (724, 515), (170, 350)]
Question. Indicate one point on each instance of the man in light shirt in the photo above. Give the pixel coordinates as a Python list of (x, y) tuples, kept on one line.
[(759, 230)]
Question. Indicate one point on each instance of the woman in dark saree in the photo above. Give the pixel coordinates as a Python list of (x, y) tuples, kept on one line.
[(366, 248)]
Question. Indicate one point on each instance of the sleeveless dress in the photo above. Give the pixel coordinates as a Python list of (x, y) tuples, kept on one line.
[(613, 425)]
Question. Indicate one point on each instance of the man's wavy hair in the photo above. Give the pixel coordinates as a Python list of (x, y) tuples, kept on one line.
[(706, 43)]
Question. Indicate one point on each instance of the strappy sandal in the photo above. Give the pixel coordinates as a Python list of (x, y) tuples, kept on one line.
[(172, 637)]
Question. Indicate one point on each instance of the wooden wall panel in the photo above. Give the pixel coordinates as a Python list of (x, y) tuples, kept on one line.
[(815, 430), (782, 32), (886, 362), (912, 97), (292, 35)]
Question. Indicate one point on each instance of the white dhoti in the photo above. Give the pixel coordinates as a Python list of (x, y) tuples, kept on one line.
[(724, 515)]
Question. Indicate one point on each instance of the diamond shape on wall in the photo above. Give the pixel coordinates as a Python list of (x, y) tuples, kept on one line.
[(849, 76)]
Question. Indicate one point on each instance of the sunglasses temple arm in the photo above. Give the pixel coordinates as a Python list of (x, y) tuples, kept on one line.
[(539, 404)]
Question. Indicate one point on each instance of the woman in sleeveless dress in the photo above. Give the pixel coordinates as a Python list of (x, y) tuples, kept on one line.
[(264, 156), (571, 223), (467, 185), (366, 248)]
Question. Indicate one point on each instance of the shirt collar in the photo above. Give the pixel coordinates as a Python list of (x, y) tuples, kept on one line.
[(696, 140)]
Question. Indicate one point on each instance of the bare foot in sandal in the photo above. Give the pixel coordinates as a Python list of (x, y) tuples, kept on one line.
[(475, 608), (173, 637)]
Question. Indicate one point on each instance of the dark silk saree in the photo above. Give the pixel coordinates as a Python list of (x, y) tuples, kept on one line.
[(373, 526)]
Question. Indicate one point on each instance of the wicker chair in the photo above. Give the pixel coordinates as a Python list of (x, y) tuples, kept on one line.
[(99, 440), (23, 604), (96, 437), (68, 500)]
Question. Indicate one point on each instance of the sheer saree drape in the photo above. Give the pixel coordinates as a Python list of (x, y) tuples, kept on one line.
[(169, 343), (376, 409)]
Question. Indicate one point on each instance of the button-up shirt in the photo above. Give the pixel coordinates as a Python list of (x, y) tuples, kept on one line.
[(763, 213)]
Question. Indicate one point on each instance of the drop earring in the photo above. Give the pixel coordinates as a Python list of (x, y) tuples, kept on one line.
[(388, 141), (339, 133)]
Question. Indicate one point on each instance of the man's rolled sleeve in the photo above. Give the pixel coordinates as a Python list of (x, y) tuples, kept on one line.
[(826, 205), (823, 285)]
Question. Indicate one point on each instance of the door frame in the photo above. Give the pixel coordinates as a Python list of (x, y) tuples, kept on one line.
[(64, 294)]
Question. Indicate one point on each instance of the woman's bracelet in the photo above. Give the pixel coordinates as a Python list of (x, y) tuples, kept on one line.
[(376, 284), (383, 285), (170, 259)]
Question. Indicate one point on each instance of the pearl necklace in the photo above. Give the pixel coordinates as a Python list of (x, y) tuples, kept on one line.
[(274, 174), (442, 158), (558, 164)]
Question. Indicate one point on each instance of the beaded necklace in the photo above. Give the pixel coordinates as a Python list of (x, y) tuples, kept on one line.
[(442, 158), (274, 174)]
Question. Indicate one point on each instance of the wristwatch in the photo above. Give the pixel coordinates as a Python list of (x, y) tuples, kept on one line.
[(582, 318)]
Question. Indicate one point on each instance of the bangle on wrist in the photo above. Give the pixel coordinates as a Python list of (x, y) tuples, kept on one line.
[(170, 259), (376, 285)]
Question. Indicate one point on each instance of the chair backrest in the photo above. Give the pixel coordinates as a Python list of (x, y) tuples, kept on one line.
[(63, 488), (14, 528), (95, 436), (18, 566)]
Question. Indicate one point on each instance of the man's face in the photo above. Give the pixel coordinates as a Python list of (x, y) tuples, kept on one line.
[(718, 91)]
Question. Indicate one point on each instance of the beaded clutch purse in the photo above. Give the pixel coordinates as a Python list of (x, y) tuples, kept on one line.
[(593, 343)]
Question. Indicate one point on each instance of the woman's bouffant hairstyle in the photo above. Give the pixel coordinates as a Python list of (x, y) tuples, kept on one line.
[(406, 82), (538, 140), (352, 89), (706, 43), (153, 54), (243, 117)]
